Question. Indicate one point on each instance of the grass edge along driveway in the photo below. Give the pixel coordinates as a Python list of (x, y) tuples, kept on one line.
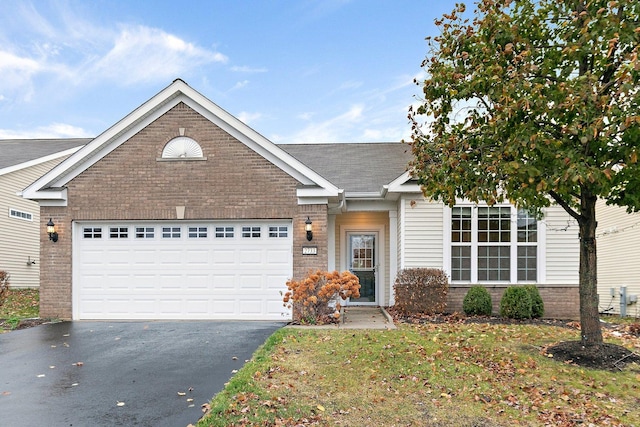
[(425, 375)]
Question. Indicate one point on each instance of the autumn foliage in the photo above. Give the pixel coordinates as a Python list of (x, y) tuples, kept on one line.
[(310, 297), (4, 285), (421, 290)]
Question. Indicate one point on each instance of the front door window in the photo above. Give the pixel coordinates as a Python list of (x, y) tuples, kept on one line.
[(362, 253)]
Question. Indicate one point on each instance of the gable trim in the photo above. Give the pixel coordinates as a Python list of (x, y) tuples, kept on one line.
[(48, 186)]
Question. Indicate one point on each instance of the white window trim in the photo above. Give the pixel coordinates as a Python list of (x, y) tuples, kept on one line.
[(446, 253), (30, 219)]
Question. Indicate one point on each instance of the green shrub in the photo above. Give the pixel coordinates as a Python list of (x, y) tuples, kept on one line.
[(516, 303), (477, 302), (537, 305), (421, 290)]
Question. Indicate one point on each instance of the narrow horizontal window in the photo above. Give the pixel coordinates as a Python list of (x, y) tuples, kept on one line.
[(224, 232), (197, 232), (15, 213), (278, 231), (170, 232), (92, 232), (118, 232), (250, 231), (145, 232)]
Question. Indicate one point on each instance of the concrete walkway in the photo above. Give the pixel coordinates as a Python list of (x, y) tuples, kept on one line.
[(358, 317)]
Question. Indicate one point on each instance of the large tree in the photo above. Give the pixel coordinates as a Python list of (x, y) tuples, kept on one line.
[(535, 102)]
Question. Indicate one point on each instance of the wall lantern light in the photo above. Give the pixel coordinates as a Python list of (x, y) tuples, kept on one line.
[(309, 229), (51, 229)]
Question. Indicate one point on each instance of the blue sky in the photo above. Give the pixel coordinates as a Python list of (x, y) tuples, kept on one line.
[(296, 71)]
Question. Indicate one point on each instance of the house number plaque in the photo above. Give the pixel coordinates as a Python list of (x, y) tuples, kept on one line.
[(309, 250)]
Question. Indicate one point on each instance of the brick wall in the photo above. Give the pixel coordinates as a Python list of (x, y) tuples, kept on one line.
[(130, 183), (560, 302)]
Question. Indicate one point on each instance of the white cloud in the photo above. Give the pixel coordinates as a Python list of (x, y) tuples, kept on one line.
[(331, 130), (305, 116), (54, 130), (144, 54), (240, 85), (247, 118), (246, 69)]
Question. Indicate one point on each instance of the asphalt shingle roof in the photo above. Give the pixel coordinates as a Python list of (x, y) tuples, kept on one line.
[(16, 151), (354, 167)]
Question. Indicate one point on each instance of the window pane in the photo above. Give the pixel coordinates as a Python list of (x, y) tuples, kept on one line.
[(224, 232), (494, 263), (461, 263), (144, 232), (170, 232), (197, 232), (527, 263), (494, 224), (461, 224), (527, 227)]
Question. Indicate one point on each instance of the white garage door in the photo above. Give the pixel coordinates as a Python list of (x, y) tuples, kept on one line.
[(216, 270)]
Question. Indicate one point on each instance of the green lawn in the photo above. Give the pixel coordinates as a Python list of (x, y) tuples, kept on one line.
[(426, 375), (19, 304)]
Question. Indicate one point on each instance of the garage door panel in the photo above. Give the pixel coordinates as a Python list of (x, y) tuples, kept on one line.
[(203, 277), (250, 281), (223, 257)]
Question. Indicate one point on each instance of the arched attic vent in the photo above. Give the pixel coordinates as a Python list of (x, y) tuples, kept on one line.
[(182, 147)]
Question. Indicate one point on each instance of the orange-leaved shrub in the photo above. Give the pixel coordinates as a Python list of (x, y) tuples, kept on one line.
[(309, 298), (421, 291)]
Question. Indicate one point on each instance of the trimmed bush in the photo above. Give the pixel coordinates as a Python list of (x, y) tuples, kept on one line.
[(421, 290), (537, 305), (477, 302), (516, 303)]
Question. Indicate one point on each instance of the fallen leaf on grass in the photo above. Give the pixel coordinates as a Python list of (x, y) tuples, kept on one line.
[(321, 408)]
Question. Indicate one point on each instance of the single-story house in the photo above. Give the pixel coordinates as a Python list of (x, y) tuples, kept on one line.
[(182, 211), (617, 240), (22, 161)]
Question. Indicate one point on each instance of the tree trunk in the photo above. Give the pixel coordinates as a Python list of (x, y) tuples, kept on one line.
[(591, 333)]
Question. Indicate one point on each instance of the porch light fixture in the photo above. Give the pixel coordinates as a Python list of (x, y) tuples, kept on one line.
[(309, 229), (51, 229)]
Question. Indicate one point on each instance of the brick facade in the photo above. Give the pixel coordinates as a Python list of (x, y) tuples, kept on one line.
[(560, 302), (131, 183)]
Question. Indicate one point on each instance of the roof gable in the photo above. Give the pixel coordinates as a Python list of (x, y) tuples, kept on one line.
[(51, 186)]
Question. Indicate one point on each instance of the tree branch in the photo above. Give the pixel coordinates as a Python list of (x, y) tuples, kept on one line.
[(559, 200)]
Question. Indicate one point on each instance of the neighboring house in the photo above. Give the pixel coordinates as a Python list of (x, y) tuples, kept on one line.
[(181, 211), (21, 163), (617, 239)]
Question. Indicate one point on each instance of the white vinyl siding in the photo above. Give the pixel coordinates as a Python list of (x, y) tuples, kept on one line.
[(21, 238), (618, 234), (562, 247), (422, 234)]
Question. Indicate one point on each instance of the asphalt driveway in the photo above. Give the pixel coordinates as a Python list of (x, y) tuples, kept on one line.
[(120, 373)]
